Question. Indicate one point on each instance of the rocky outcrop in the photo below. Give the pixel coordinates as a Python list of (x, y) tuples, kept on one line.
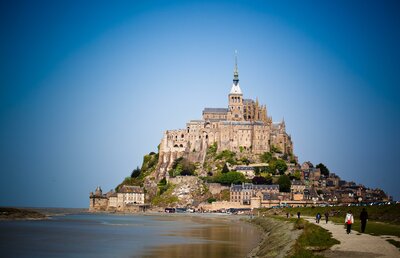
[(190, 190)]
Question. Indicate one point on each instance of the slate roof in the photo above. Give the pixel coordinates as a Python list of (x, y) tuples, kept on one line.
[(247, 186), (244, 168), (131, 189), (215, 110)]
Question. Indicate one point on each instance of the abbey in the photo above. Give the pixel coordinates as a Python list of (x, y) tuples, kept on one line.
[(243, 126)]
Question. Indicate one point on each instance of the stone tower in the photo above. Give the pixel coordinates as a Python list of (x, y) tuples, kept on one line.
[(235, 98)]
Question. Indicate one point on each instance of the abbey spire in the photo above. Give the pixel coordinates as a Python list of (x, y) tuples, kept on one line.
[(235, 86), (236, 71)]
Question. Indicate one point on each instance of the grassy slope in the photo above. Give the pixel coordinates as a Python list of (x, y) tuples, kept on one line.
[(312, 238)]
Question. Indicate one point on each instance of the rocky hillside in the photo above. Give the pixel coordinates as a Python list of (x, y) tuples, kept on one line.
[(186, 183)]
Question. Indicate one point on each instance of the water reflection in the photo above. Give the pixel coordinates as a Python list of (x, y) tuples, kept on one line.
[(113, 235), (209, 238)]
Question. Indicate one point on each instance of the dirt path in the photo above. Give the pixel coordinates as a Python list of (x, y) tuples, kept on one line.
[(356, 244)]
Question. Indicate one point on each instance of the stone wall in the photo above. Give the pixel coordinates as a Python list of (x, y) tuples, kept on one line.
[(222, 205), (98, 204), (190, 180)]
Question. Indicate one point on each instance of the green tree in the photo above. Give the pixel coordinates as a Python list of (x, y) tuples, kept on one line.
[(281, 166), (296, 175), (259, 180), (231, 177), (225, 169), (284, 183), (135, 173), (211, 199), (324, 169)]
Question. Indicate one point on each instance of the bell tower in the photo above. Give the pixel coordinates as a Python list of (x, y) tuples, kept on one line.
[(235, 97)]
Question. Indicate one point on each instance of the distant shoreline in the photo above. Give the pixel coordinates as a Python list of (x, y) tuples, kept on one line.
[(10, 213)]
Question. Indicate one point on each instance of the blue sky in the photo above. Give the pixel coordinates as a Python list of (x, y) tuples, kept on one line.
[(88, 88)]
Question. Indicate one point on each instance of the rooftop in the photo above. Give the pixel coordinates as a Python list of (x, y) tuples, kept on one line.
[(215, 110)]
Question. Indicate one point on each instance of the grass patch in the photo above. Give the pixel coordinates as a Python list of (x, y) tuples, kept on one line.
[(313, 239), (166, 198), (394, 242)]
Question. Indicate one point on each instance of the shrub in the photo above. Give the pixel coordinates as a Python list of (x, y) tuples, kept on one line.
[(135, 173), (225, 169), (183, 167), (266, 157), (284, 183), (231, 177), (211, 199), (212, 149)]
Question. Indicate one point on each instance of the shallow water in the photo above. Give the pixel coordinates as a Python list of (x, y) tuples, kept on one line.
[(106, 235)]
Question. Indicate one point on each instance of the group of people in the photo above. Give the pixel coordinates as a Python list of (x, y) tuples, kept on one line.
[(318, 217), (349, 220)]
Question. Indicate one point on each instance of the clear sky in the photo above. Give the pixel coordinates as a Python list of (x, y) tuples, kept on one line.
[(89, 87)]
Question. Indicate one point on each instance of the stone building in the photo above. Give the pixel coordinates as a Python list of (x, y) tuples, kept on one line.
[(244, 125), (98, 201), (247, 171), (297, 190), (246, 191), (128, 198), (129, 195)]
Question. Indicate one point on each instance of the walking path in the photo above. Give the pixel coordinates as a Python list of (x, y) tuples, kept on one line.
[(356, 244)]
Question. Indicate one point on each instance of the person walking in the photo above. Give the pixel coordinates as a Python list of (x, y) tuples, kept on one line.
[(364, 219), (326, 217), (298, 214), (318, 217), (349, 220)]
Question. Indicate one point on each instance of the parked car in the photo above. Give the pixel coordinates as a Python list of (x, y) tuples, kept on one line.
[(170, 210)]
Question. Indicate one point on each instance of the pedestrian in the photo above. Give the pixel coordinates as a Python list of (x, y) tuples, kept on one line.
[(326, 217), (349, 220), (287, 214), (318, 217), (364, 219), (298, 214)]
